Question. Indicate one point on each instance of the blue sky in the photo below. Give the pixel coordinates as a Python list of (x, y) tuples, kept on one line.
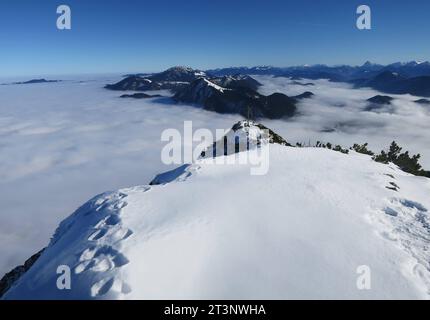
[(136, 36)]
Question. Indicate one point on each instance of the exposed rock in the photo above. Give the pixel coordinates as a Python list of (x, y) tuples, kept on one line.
[(237, 81), (140, 95), (422, 101), (11, 277), (305, 95), (244, 135), (381, 99), (33, 81), (307, 84), (134, 83), (241, 100)]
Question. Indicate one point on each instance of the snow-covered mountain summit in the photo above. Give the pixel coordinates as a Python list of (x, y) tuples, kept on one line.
[(178, 73), (172, 79), (216, 232), (243, 136)]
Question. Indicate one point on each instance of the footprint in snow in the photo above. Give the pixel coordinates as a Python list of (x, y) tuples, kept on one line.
[(393, 186), (390, 212), (115, 234), (100, 259), (98, 234), (110, 220), (102, 287), (413, 204)]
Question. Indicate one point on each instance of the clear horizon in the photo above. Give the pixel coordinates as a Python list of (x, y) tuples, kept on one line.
[(121, 73)]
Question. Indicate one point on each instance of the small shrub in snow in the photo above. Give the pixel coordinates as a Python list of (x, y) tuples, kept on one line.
[(362, 149), (403, 160)]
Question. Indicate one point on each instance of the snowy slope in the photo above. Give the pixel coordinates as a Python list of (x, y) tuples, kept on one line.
[(300, 231), (244, 135)]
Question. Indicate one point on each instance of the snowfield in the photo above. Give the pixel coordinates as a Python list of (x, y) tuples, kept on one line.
[(217, 232), (62, 143)]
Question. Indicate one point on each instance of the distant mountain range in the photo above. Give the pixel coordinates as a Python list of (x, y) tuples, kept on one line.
[(233, 90), (397, 78), (33, 81), (335, 73), (423, 101), (380, 102), (392, 82), (236, 94)]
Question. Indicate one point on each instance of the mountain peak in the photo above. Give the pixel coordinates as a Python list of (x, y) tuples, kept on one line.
[(184, 69), (368, 64), (215, 221), (243, 136), (254, 130), (380, 99), (178, 74), (180, 68)]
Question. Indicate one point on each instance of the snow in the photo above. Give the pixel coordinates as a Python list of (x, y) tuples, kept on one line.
[(66, 142), (216, 232), (416, 62), (213, 85), (247, 136), (203, 89)]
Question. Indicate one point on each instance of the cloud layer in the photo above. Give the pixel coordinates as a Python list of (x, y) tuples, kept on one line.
[(63, 143), (336, 114)]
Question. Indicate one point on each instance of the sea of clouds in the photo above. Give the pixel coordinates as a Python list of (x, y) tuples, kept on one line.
[(63, 143), (337, 114)]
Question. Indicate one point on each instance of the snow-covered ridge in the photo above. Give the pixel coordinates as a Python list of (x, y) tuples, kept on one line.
[(213, 85), (212, 232), (245, 135), (200, 90)]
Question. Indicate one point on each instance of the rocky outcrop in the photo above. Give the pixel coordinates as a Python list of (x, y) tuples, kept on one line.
[(240, 100), (140, 95), (244, 135), (10, 278)]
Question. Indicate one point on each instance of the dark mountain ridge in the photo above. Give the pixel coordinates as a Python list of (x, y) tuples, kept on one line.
[(394, 83), (225, 94), (381, 99), (396, 78), (33, 81), (345, 72), (173, 79), (241, 100)]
